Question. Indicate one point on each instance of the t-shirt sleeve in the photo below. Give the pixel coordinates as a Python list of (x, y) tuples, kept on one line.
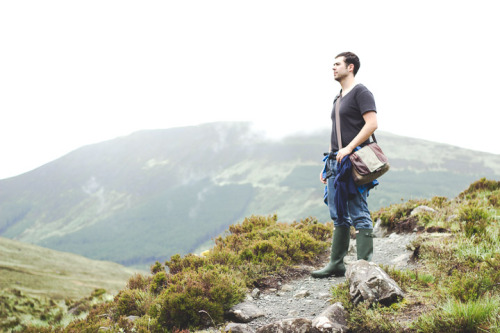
[(366, 102)]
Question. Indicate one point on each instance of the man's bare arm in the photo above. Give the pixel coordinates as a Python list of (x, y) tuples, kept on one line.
[(370, 126)]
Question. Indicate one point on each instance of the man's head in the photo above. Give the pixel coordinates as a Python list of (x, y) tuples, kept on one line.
[(348, 60)]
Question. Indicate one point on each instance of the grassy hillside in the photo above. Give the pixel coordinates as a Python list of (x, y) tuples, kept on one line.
[(454, 289), (149, 195), (38, 271)]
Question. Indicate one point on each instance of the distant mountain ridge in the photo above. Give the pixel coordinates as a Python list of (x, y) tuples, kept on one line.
[(146, 196)]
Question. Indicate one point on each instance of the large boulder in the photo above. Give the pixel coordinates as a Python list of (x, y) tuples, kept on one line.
[(368, 282)]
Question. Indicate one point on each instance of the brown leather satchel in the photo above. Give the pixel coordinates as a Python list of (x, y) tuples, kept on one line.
[(369, 162)]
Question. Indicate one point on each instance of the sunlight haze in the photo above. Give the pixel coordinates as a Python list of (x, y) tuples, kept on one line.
[(76, 73)]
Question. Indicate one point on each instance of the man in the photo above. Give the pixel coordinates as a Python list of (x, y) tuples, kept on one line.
[(358, 119)]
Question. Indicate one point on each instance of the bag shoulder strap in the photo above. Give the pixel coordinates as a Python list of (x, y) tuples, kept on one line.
[(337, 120)]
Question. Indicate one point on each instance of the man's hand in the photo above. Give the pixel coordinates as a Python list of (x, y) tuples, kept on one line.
[(323, 180), (343, 152)]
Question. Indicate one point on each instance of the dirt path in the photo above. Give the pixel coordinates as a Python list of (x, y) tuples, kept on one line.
[(307, 297)]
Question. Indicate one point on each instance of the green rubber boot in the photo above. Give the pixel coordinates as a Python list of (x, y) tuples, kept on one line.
[(364, 244), (340, 246)]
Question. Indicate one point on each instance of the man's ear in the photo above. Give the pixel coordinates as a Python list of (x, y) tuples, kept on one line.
[(350, 67)]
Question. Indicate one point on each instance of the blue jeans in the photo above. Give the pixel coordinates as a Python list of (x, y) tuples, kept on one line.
[(358, 216)]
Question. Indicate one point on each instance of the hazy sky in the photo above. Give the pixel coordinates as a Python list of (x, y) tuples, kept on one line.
[(74, 73)]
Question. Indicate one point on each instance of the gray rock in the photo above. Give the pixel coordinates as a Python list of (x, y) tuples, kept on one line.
[(422, 209), (369, 282), (293, 325), (245, 312), (132, 318), (324, 296), (286, 287), (332, 319), (255, 293), (238, 328), (352, 247), (302, 294), (378, 230)]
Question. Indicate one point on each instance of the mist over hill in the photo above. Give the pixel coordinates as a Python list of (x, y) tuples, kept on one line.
[(146, 196)]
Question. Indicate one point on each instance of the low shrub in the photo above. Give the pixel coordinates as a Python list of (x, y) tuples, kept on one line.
[(158, 282), (139, 281), (190, 261), (482, 184), (456, 316), (213, 290), (390, 216)]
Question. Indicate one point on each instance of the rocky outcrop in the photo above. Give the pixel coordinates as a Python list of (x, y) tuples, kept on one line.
[(368, 282)]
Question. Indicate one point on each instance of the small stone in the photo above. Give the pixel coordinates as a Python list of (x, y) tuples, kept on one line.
[(255, 293), (324, 296), (292, 325), (132, 318), (302, 294), (238, 328), (245, 312), (286, 287), (422, 209), (332, 319)]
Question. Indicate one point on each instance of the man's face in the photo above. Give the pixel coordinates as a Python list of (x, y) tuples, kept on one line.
[(340, 70)]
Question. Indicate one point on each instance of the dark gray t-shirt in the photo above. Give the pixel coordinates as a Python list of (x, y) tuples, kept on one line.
[(352, 107)]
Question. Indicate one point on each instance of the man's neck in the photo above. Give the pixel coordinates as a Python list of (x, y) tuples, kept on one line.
[(347, 84)]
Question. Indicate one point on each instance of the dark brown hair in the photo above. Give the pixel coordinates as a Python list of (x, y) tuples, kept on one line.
[(350, 58)]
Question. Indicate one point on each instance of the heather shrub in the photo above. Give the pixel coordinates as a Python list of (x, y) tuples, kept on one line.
[(476, 219), (318, 231), (252, 223), (481, 185), (157, 267), (393, 214), (440, 202), (494, 199), (133, 302), (472, 285), (212, 289), (159, 282), (139, 281), (190, 261)]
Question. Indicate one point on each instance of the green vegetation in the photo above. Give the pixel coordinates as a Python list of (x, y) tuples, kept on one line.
[(196, 291), (456, 287), (22, 312)]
